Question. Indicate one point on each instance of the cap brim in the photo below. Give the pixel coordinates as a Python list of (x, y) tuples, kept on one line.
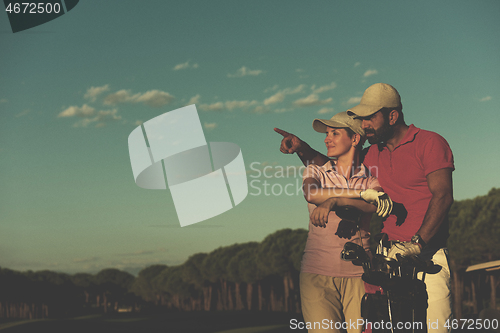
[(320, 125), (363, 110)]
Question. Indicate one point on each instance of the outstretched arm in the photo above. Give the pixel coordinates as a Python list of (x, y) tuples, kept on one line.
[(292, 144)]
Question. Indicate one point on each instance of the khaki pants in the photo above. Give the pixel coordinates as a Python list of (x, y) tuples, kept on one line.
[(331, 304), (439, 292)]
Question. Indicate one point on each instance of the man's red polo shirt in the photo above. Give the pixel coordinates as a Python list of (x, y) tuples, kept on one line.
[(402, 173)]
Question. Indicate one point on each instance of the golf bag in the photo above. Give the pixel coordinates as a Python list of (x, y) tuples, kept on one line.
[(400, 304)]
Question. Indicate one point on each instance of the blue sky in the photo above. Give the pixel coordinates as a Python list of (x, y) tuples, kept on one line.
[(73, 89)]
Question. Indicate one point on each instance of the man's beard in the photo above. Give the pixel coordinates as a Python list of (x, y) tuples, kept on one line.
[(381, 135)]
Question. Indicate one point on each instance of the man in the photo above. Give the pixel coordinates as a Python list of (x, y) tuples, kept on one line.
[(414, 167)]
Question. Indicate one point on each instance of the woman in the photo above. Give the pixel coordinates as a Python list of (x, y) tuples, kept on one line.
[(331, 289)]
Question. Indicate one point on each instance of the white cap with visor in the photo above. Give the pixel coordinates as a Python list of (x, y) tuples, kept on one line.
[(340, 120)]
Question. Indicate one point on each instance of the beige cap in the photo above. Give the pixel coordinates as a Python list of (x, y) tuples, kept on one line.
[(376, 97), (340, 120)]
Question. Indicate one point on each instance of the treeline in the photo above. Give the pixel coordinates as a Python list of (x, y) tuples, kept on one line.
[(474, 239), (262, 276), (31, 295), (475, 230), (249, 276)]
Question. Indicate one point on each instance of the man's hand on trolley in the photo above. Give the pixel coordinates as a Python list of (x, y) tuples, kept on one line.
[(405, 249), (380, 199)]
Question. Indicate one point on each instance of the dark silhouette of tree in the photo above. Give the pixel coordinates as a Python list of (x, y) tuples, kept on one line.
[(192, 272), (214, 268), (113, 284), (239, 267), (143, 285), (474, 238), (278, 254), (85, 284), (56, 291), (175, 291), (249, 272), (16, 291)]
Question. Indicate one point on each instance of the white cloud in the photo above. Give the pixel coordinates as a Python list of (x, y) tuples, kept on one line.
[(485, 99), (319, 90), (153, 98), (212, 107), (231, 105), (291, 91), (121, 96), (228, 105), (108, 115), (181, 66), (276, 98), (280, 95), (22, 113), (210, 126), (370, 72), (83, 260), (143, 252), (312, 100), (83, 123), (184, 66), (273, 88), (325, 110), (194, 100), (93, 92), (3, 100), (299, 70), (244, 71), (101, 118), (260, 109), (357, 64), (138, 122), (72, 111), (354, 100)]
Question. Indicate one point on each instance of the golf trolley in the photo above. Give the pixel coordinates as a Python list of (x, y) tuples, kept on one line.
[(400, 302)]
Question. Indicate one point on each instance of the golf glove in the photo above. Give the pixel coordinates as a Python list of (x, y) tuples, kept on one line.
[(381, 199), (404, 248)]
